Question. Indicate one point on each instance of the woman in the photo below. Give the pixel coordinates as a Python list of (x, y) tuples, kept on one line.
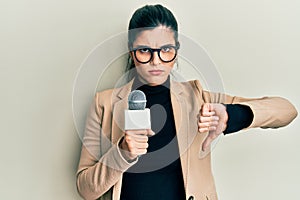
[(166, 162)]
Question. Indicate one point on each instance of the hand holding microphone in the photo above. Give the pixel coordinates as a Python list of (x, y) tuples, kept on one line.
[(137, 126), (135, 143)]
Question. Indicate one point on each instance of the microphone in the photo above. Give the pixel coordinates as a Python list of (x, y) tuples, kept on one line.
[(137, 116)]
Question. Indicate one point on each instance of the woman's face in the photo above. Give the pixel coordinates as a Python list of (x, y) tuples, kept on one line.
[(155, 72)]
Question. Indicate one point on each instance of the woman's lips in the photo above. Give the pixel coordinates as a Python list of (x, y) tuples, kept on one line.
[(156, 72)]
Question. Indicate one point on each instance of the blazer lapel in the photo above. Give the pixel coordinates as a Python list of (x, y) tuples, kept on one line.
[(120, 96), (181, 124)]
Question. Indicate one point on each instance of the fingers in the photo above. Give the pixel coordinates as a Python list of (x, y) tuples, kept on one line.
[(208, 123), (213, 120), (135, 138), (206, 129), (137, 141), (208, 119), (137, 146), (145, 132)]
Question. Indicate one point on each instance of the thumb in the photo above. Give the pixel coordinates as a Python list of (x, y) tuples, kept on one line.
[(150, 132), (206, 143)]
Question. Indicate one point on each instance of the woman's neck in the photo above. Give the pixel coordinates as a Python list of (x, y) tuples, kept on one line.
[(138, 83)]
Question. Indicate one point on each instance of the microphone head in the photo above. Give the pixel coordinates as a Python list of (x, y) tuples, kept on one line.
[(137, 100)]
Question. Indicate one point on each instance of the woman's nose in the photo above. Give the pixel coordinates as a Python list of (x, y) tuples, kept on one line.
[(155, 59)]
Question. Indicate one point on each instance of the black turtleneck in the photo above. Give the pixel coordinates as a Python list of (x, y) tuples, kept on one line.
[(157, 174)]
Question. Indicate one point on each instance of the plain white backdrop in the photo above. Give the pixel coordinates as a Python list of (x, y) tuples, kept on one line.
[(254, 43)]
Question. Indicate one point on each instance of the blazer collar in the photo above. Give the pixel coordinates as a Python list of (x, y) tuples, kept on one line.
[(125, 90)]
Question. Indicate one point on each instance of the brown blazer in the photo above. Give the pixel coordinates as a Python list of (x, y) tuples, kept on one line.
[(101, 164)]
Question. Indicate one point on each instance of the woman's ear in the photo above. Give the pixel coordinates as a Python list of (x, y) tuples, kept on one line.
[(129, 46), (130, 54)]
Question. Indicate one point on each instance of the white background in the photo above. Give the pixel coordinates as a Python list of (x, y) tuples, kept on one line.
[(254, 43)]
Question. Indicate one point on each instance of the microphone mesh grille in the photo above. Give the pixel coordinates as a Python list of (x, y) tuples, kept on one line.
[(137, 100)]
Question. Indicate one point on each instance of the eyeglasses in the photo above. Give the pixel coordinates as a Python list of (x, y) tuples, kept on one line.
[(165, 53)]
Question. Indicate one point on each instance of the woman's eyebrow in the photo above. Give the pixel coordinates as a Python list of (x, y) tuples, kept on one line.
[(145, 46), (167, 45), (141, 46)]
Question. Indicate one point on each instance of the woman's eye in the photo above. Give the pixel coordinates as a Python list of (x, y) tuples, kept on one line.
[(145, 50), (165, 49)]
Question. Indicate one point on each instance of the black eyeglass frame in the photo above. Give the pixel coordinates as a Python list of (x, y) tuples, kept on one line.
[(154, 50)]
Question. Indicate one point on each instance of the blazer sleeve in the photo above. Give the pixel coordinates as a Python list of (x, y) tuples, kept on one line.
[(98, 172), (268, 112)]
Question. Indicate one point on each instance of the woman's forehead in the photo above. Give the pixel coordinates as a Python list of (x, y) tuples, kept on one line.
[(156, 37)]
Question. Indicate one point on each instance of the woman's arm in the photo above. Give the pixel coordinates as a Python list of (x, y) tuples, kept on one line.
[(268, 112), (98, 171)]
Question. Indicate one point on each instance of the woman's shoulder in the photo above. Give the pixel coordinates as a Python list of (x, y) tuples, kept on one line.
[(105, 93), (189, 85), (113, 94)]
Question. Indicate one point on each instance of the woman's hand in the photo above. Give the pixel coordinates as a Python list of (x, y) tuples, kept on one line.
[(213, 119), (135, 143)]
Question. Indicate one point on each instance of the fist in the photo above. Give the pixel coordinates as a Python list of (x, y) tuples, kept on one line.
[(213, 119), (135, 143)]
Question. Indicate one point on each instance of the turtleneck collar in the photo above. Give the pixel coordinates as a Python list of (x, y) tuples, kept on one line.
[(165, 87)]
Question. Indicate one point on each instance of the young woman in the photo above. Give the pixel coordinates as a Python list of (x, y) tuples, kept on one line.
[(164, 162)]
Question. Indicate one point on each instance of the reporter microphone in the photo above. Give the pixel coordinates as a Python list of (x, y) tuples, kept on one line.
[(137, 116)]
